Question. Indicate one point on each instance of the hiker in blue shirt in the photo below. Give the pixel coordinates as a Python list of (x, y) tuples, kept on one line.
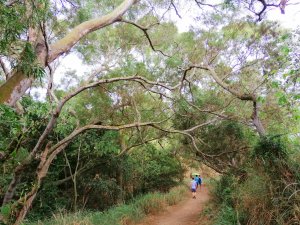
[(193, 187), (200, 182), (197, 180)]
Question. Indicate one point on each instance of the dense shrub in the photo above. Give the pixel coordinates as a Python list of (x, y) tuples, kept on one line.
[(120, 215), (267, 192), (270, 148)]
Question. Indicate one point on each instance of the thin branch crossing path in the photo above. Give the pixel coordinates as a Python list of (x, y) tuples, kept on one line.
[(185, 213)]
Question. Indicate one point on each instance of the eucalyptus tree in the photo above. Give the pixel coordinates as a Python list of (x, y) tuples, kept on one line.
[(236, 72), (127, 106), (34, 33), (143, 73)]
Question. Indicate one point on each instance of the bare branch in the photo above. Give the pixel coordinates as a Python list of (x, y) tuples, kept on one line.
[(174, 6), (242, 96), (87, 27), (201, 3), (220, 115), (11, 3), (78, 131), (185, 134), (60, 105), (145, 30), (200, 125)]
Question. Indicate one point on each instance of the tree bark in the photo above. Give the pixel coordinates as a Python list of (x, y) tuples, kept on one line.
[(16, 86), (41, 172), (55, 114), (49, 155), (242, 96)]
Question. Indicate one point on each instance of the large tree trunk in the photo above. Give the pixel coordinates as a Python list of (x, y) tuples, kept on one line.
[(256, 121), (55, 114), (41, 172), (15, 87), (12, 90), (49, 154)]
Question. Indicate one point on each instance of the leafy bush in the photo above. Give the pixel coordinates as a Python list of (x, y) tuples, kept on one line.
[(270, 148), (226, 216), (267, 192), (120, 215), (223, 189)]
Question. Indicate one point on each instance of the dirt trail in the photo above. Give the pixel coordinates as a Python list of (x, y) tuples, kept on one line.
[(185, 213)]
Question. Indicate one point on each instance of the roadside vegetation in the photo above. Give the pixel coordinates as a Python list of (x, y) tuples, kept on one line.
[(156, 98), (124, 214), (265, 189)]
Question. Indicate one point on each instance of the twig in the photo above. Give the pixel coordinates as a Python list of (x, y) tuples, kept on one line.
[(177, 13), (145, 30)]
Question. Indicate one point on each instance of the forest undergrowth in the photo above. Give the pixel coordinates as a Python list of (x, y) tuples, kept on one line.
[(265, 190), (124, 214)]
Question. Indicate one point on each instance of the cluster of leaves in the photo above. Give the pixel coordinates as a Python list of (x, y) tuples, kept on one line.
[(11, 24), (16, 19), (271, 148), (266, 189), (103, 179), (28, 65)]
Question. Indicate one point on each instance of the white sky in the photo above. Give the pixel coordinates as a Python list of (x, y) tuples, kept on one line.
[(291, 18)]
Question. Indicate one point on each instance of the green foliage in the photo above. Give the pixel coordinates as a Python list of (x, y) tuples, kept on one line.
[(15, 22), (159, 169), (226, 216), (123, 214), (10, 126), (248, 57), (5, 211), (223, 190), (264, 191), (28, 64), (12, 26), (271, 148)]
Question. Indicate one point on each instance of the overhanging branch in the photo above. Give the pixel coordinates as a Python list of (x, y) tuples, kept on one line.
[(66, 43), (145, 30)]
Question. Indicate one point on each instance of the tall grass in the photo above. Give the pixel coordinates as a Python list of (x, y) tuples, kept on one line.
[(126, 214), (264, 191)]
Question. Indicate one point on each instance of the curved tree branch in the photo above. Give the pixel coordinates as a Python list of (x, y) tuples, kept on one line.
[(66, 43), (54, 117), (145, 30), (16, 86)]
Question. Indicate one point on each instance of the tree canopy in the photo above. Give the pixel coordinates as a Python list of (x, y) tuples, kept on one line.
[(155, 99)]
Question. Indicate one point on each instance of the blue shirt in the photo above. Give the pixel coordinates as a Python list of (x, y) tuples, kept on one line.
[(200, 180)]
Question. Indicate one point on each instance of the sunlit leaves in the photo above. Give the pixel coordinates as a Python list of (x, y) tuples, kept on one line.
[(10, 126), (11, 24)]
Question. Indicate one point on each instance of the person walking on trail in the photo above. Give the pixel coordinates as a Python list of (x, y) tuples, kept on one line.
[(193, 187), (200, 182)]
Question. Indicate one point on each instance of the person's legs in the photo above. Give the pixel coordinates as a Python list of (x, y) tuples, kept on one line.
[(194, 193)]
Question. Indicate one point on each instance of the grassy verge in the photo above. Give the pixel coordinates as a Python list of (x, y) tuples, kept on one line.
[(210, 209), (123, 214)]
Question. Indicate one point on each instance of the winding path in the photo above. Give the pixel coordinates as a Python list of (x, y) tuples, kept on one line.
[(185, 213)]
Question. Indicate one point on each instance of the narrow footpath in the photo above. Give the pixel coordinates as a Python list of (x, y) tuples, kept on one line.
[(185, 213)]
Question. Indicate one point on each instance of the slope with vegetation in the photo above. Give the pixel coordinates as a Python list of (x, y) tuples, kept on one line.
[(225, 93)]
